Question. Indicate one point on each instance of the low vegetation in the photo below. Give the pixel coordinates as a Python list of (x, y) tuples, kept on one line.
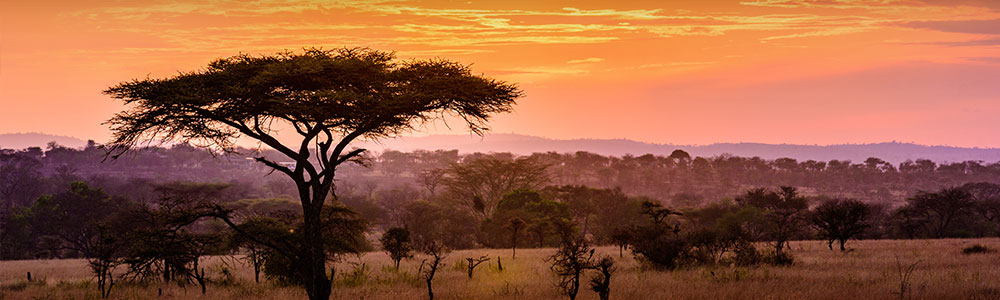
[(872, 271)]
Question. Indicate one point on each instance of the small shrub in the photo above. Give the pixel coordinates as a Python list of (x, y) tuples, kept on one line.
[(227, 276), (247, 292), (16, 286), (508, 290), (727, 275), (976, 249), (781, 259), (357, 276)]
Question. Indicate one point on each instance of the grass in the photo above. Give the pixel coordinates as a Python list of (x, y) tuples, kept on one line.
[(872, 271)]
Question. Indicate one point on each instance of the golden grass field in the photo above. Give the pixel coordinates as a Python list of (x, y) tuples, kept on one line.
[(871, 271)]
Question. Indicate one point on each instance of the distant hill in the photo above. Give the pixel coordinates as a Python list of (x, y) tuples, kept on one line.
[(521, 144), (25, 140)]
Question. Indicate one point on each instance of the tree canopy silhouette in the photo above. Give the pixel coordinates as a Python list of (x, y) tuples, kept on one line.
[(330, 98)]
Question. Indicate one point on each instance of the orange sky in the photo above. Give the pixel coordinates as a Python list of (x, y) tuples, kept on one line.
[(682, 72)]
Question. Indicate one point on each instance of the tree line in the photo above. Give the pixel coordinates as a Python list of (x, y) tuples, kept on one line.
[(164, 239)]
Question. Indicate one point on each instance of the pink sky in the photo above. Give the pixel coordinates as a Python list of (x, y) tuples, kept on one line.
[(685, 72)]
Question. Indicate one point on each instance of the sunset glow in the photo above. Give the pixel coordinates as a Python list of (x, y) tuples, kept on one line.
[(681, 72)]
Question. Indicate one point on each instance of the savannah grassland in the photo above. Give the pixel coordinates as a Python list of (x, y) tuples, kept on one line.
[(871, 271)]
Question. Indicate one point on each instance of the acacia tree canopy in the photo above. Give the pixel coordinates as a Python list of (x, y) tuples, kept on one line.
[(329, 97)]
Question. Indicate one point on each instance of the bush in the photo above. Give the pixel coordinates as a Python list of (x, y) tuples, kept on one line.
[(708, 246), (976, 249), (659, 247), (745, 254)]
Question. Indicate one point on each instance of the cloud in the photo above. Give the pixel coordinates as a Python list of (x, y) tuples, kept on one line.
[(838, 4), (585, 60), (278, 23), (968, 43), (679, 64), (995, 60), (964, 26)]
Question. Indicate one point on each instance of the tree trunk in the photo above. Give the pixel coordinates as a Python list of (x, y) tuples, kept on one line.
[(256, 273), (317, 284), (430, 292), (166, 271), (842, 241), (575, 287)]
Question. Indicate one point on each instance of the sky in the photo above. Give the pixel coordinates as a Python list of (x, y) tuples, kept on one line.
[(679, 72)]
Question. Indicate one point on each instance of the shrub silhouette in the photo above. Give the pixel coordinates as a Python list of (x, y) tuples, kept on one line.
[(976, 249)]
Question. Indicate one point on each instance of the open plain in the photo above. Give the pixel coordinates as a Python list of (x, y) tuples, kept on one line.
[(874, 269)]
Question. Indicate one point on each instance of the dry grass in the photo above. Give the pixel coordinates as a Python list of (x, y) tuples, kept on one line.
[(871, 271)]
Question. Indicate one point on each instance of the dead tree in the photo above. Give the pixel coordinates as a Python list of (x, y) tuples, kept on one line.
[(429, 267), (570, 261), (474, 262), (602, 282)]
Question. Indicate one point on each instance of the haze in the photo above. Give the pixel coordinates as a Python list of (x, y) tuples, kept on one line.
[(679, 72)]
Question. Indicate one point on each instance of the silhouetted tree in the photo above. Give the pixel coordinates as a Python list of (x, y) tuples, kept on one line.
[(621, 237), (433, 221), (173, 237), (20, 179), (88, 221), (256, 254), (429, 267), (680, 156), (840, 220), (330, 98), (569, 263), (784, 212), (986, 198), (602, 282), (515, 225), (937, 211), (431, 179), (396, 242)]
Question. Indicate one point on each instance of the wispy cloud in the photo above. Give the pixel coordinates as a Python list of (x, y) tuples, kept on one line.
[(837, 4), (962, 26), (411, 23), (586, 60)]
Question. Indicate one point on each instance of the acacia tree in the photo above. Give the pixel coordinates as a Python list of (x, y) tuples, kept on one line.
[(938, 211), (840, 220), (480, 183), (784, 212), (329, 98)]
